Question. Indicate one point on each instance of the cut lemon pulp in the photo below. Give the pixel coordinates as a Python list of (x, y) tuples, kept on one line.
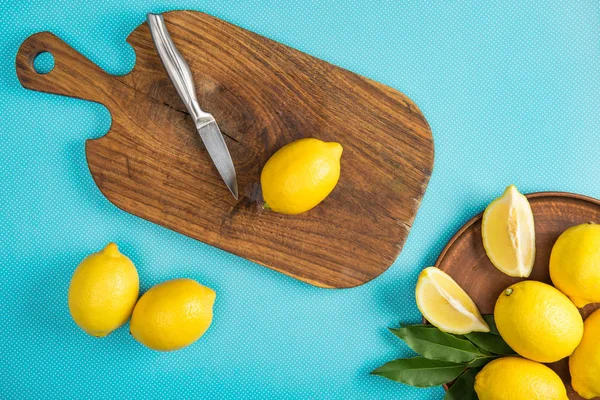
[(446, 305), (509, 233)]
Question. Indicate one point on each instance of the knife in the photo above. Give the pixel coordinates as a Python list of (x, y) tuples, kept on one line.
[(181, 76)]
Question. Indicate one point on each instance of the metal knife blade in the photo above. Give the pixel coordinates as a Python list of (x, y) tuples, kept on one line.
[(217, 149), (181, 76)]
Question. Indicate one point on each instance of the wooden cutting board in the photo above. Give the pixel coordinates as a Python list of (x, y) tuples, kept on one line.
[(264, 95), (465, 260)]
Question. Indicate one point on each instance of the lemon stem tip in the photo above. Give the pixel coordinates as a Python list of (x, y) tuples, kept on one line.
[(337, 149), (111, 249)]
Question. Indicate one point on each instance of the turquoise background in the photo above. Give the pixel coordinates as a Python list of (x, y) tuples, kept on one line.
[(511, 89)]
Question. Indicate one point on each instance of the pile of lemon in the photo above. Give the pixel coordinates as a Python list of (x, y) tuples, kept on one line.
[(540, 322), (103, 295)]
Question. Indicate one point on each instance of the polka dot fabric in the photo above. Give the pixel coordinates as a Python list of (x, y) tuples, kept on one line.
[(510, 88)]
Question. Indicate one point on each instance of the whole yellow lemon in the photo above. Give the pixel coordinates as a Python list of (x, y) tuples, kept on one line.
[(300, 175), (173, 314), (515, 378), (538, 321), (575, 264), (103, 291), (584, 363)]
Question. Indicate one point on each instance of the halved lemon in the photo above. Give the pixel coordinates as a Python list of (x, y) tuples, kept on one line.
[(509, 233), (446, 305)]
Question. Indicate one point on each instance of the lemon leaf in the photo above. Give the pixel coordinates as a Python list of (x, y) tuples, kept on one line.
[(490, 342), (437, 345), (419, 371), (481, 361), (489, 319), (419, 325), (464, 387)]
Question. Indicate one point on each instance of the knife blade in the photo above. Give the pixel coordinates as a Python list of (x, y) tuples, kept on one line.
[(180, 74)]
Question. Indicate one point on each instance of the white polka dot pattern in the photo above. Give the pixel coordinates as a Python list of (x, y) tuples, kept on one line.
[(511, 90)]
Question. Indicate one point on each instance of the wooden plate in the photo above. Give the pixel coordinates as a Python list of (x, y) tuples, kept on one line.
[(465, 260)]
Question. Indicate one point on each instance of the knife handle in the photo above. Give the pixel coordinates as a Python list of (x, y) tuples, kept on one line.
[(176, 66)]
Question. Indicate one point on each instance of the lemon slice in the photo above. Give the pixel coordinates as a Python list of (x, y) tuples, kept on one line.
[(446, 305), (509, 233)]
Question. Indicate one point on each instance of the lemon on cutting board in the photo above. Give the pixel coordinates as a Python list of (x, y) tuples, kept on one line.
[(446, 305), (300, 175), (575, 264), (584, 363), (173, 314), (103, 291), (515, 378), (508, 233), (538, 321)]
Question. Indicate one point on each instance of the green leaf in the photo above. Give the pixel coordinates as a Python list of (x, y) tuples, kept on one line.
[(463, 388), (419, 325), (437, 345), (481, 361), (419, 371), (490, 342), (489, 318)]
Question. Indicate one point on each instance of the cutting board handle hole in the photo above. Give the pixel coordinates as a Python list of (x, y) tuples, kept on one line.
[(43, 62)]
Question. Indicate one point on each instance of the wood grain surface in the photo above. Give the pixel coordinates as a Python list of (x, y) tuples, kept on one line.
[(264, 95), (465, 260)]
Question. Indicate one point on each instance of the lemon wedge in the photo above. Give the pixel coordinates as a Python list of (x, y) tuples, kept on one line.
[(446, 305), (509, 234)]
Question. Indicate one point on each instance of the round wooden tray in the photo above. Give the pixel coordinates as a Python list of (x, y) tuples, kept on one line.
[(465, 260)]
